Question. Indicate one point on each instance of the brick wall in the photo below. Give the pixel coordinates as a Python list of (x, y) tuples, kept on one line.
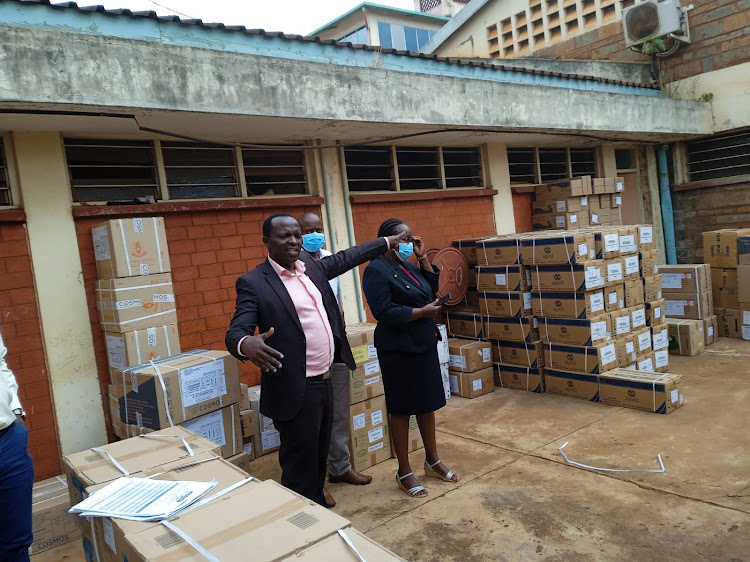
[(208, 251), (700, 210), (718, 31), (438, 222), (22, 335)]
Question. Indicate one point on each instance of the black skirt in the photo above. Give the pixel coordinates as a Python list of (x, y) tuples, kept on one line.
[(412, 381)]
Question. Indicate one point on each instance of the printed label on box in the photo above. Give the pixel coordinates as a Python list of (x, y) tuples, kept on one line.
[(585, 201), (646, 365), (598, 331), (746, 316), (248, 448), (500, 279), (644, 341), (360, 353), (647, 234), (476, 385), (657, 312), (527, 300), (375, 434), (372, 380), (151, 337), (144, 268), (138, 226), (622, 325), (627, 243), (458, 361), (675, 308), (593, 278), (710, 331), (101, 243), (371, 368), (270, 439), (609, 354), (597, 302), (358, 422), (573, 219), (595, 218), (620, 186), (209, 426), (622, 303), (561, 208), (372, 352), (116, 352), (613, 298), (376, 417), (583, 250), (202, 382), (618, 201), (130, 303), (592, 253), (560, 221), (631, 265), (746, 332), (375, 447), (614, 271), (611, 242), (629, 347), (661, 358), (161, 297), (674, 396), (454, 383), (109, 534), (661, 339), (671, 280), (528, 277), (486, 355), (639, 318)]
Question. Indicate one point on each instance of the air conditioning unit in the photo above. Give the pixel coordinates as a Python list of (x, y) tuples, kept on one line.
[(652, 18)]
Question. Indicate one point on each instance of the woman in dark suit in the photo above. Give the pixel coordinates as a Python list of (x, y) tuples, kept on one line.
[(402, 300)]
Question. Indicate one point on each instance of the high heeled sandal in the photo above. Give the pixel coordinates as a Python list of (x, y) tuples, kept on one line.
[(411, 492), (430, 471)]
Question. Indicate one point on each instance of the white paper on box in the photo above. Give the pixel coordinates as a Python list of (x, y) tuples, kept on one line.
[(614, 271), (138, 225), (592, 253), (598, 331), (372, 351), (561, 207), (671, 280), (527, 300), (528, 277), (595, 218), (372, 380), (375, 434), (477, 385), (631, 265), (151, 337), (129, 303), (661, 358), (358, 422), (627, 243), (270, 439), (101, 243), (622, 303), (597, 302), (454, 383), (710, 331), (629, 347), (573, 219), (646, 365), (661, 339), (500, 279), (486, 355), (746, 332), (163, 297), (674, 396), (647, 234), (458, 361), (248, 448), (657, 312), (639, 318), (593, 278), (560, 221), (618, 201), (608, 354), (584, 201), (209, 426), (202, 382), (644, 341), (143, 268), (376, 417), (746, 316), (620, 186), (371, 368), (611, 242), (116, 352), (622, 325), (675, 308), (613, 298), (109, 534), (375, 447), (583, 250)]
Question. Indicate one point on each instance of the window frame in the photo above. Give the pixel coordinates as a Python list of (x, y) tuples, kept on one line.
[(537, 163), (6, 146)]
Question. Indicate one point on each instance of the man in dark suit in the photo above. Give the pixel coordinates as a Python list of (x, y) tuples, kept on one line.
[(300, 335)]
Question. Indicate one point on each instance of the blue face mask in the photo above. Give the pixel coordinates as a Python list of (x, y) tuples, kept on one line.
[(405, 251), (313, 242)]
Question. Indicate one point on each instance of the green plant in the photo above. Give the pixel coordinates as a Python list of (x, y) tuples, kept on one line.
[(652, 45), (707, 97)]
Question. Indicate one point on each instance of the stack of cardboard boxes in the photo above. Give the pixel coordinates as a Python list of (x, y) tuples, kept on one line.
[(154, 385), (259, 435), (444, 358), (689, 307), (240, 515), (470, 367), (728, 254)]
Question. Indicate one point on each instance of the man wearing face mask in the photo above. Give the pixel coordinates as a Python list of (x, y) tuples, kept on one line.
[(339, 465)]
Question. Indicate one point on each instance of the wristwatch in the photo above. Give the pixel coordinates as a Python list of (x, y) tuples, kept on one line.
[(20, 412)]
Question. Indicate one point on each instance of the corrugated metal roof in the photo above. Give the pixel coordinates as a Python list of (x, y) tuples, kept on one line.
[(315, 39)]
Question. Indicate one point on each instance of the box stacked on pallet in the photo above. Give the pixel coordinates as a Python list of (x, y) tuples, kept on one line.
[(470, 370), (688, 304), (728, 254)]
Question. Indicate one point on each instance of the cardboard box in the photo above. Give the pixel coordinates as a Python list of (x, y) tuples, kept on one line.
[(140, 346), (135, 455), (615, 200), (607, 244), (472, 385), (574, 385), (710, 329), (693, 278), (444, 374), (634, 293), (603, 185), (625, 347), (369, 438), (471, 300), (335, 548), (589, 304), (645, 363), (568, 278), (499, 250), (469, 356), (631, 267), (655, 312), (502, 278), (467, 246), (524, 328), (520, 354), (558, 248), (248, 447), (244, 403), (743, 283), (266, 439), (195, 383), (723, 248), (642, 341), (743, 249), (442, 344), (621, 322), (566, 331), (661, 360), (565, 221), (267, 518), (560, 189), (660, 393), (637, 317), (51, 523), (614, 297), (130, 247), (366, 380), (519, 378), (135, 303), (688, 305), (660, 337), (580, 359), (734, 323), (652, 288), (685, 337), (560, 206), (650, 262), (221, 427), (508, 304), (241, 460), (645, 237), (464, 322), (725, 286), (628, 240)]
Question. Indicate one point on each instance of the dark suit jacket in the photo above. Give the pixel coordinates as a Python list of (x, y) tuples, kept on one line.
[(392, 295), (264, 303)]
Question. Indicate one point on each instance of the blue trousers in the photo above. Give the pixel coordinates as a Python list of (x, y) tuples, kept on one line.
[(16, 480)]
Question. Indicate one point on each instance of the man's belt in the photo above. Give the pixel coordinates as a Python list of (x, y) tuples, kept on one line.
[(322, 377)]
